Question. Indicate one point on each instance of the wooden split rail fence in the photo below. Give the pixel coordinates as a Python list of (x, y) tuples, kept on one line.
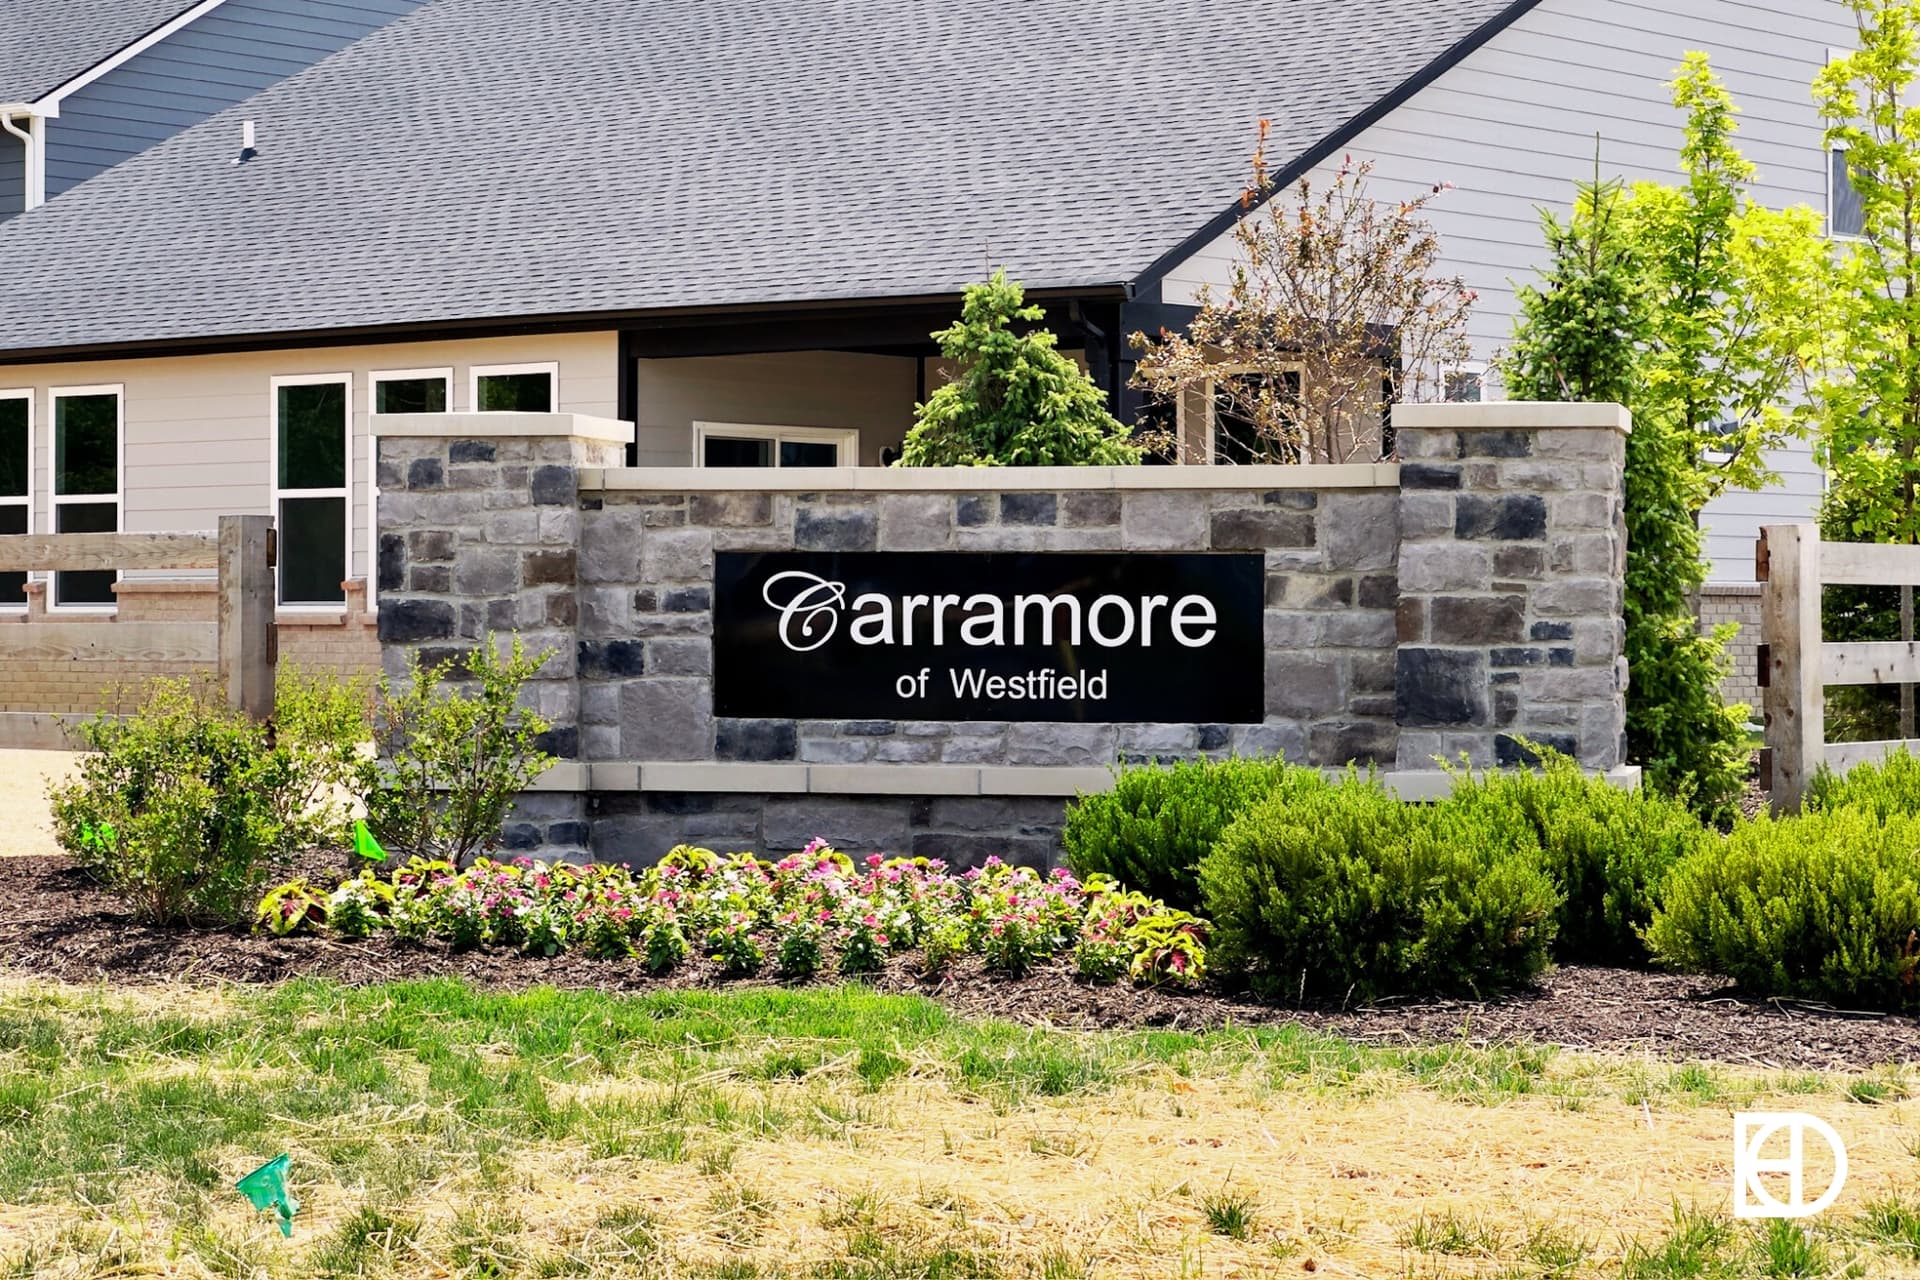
[(239, 643), (1797, 665)]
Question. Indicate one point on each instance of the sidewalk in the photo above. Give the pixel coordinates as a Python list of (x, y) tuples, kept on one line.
[(24, 779)]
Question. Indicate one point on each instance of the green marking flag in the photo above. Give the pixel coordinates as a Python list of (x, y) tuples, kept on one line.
[(100, 838), (364, 844), (266, 1188)]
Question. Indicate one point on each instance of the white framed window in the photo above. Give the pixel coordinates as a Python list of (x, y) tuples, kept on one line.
[(1846, 220), (410, 391), (515, 388), (85, 467), (1464, 383), (741, 444), (16, 486), (310, 456)]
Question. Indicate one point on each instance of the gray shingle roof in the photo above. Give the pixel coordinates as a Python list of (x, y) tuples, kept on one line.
[(45, 43), (488, 159)]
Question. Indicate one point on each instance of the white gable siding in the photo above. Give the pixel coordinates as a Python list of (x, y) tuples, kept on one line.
[(1513, 126)]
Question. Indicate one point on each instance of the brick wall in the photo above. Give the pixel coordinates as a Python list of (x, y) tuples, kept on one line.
[(344, 644), (1737, 602)]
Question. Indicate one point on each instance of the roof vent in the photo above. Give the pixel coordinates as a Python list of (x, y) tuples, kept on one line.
[(246, 143)]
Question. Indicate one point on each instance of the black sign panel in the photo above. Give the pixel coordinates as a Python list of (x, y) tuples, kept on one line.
[(991, 636)]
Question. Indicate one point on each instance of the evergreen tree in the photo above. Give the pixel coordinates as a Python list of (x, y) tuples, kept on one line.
[(1015, 401)]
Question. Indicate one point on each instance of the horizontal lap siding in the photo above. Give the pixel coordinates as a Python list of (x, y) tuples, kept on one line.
[(230, 54), (1514, 125), (197, 426)]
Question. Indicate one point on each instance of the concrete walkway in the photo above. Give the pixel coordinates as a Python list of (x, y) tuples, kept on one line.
[(25, 776)]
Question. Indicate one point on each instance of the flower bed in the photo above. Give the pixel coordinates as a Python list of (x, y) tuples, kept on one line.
[(814, 912)]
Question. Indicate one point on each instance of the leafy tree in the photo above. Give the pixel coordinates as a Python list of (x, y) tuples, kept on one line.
[(1736, 315), (1703, 311), (1870, 407), (1334, 309), (1016, 401)]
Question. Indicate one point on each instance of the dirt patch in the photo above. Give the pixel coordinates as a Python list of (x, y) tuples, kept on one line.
[(58, 924)]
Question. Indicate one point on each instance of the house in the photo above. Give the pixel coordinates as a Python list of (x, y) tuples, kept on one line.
[(735, 222), (84, 84)]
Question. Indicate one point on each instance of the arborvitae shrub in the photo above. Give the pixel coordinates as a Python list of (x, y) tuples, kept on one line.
[(1346, 892), (1152, 829), (1885, 788), (1607, 850), (1823, 906)]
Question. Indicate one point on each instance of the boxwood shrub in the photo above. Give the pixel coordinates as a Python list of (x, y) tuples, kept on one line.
[(1884, 788), (1607, 850), (1823, 906), (1343, 891), (1152, 829)]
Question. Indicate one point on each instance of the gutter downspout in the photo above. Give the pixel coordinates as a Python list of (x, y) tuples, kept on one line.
[(33, 171)]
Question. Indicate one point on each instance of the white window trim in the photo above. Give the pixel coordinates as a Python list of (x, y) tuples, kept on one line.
[(25, 394), (848, 439), (549, 367), (378, 376), (55, 501), (276, 493)]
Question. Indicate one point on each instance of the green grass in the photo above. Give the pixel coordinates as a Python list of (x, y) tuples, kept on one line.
[(162, 1089), (143, 1104)]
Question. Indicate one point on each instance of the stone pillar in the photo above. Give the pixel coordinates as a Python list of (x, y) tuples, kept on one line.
[(479, 529), (1512, 581)]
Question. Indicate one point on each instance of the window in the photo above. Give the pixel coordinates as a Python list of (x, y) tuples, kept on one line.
[(515, 388), (16, 485), (312, 476), (1235, 438), (1465, 384), (410, 391), (734, 444), (1845, 218), (85, 466)]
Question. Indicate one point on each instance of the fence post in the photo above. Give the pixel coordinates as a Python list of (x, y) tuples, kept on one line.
[(247, 644), (1796, 706)]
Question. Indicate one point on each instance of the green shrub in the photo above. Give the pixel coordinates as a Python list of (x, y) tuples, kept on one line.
[(1822, 906), (452, 760), (186, 808), (1606, 849), (1345, 891), (1152, 829), (1885, 788)]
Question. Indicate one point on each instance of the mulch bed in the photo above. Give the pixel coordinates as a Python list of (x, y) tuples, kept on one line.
[(57, 924)]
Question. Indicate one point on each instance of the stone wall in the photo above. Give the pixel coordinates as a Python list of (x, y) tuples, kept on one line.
[(1457, 604), (1512, 581), (646, 575)]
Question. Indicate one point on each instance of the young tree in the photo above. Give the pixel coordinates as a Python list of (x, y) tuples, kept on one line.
[(1582, 334), (1736, 316), (1334, 309), (1870, 409), (1016, 400)]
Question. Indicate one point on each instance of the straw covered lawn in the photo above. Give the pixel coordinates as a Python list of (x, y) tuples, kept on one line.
[(441, 1131)]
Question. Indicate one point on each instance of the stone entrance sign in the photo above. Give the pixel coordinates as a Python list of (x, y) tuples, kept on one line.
[(1457, 604)]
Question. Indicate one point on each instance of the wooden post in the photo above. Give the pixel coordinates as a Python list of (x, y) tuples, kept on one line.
[(247, 645), (1795, 696)]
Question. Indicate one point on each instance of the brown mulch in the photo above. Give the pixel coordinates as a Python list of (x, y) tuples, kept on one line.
[(58, 924)]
